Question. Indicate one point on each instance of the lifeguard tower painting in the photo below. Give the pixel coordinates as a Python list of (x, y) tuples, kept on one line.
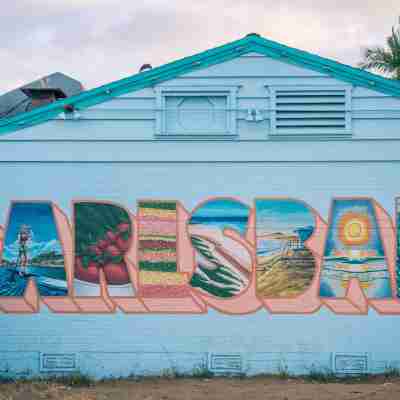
[(285, 266), (32, 249)]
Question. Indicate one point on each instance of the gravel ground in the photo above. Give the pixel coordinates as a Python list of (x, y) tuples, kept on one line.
[(261, 388)]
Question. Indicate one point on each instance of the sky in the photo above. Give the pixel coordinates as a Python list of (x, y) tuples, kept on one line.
[(38, 216), (282, 215), (222, 213), (361, 207), (99, 41)]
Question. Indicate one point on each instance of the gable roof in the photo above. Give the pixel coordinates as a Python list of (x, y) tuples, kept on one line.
[(250, 43)]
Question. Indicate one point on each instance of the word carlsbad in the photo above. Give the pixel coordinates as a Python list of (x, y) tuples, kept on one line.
[(277, 253)]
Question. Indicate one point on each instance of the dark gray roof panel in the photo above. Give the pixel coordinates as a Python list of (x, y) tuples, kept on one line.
[(16, 101)]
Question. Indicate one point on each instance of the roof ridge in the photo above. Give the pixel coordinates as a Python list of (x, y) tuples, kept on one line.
[(225, 52), (329, 60)]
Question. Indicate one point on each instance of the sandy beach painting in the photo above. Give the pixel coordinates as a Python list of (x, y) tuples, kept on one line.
[(223, 265), (285, 267)]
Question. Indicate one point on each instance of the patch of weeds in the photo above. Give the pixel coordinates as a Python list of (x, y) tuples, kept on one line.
[(6, 379), (76, 379), (240, 375), (133, 377), (172, 373), (391, 372), (115, 380), (324, 375), (202, 372), (283, 372)]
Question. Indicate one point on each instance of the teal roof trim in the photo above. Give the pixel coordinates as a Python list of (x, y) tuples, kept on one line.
[(248, 44)]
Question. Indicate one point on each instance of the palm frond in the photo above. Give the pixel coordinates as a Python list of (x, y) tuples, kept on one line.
[(377, 58), (393, 42), (384, 59)]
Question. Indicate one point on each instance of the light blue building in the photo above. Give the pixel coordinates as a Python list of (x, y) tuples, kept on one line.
[(233, 211)]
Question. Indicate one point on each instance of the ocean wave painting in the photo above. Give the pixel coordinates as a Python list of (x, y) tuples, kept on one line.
[(49, 281), (223, 266)]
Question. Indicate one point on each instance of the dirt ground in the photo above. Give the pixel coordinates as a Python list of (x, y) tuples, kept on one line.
[(210, 389)]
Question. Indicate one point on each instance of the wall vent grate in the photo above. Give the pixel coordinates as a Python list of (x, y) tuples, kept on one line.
[(50, 362), (310, 111)]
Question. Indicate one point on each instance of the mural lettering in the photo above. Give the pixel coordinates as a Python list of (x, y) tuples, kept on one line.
[(277, 253)]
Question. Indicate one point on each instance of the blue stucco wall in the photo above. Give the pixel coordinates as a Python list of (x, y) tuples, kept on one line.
[(110, 153)]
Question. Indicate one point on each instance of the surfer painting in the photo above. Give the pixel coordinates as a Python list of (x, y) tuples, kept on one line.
[(32, 251), (25, 235)]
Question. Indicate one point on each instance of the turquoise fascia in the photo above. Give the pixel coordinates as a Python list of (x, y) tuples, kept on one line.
[(248, 44)]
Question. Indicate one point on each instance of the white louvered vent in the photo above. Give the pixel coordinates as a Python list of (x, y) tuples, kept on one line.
[(310, 111)]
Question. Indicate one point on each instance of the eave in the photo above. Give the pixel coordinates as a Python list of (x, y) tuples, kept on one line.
[(217, 55)]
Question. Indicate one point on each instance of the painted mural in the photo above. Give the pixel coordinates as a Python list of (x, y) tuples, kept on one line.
[(354, 249), (279, 254), (32, 250), (157, 252), (103, 234), (285, 266), (397, 217), (222, 267)]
